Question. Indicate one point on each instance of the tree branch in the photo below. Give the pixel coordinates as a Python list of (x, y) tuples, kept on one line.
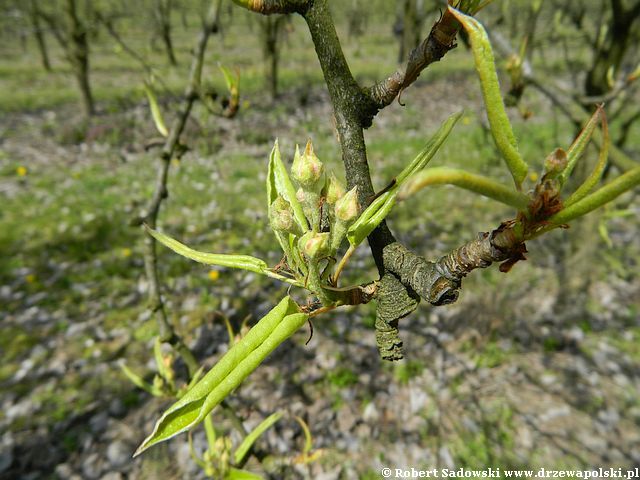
[(439, 282), (441, 39), (405, 276), (268, 7), (156, 304)]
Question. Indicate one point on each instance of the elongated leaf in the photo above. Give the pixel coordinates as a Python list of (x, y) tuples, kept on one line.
[(229, 79), (377, 211), (137, 380), (469, 181), (373, 216), (244, 357), (498, 119), (155, 112), (593, 179), (278, 182), (308, 440), (253, 436), (243, 262), (605, 194), (237, 474), (580, 143)]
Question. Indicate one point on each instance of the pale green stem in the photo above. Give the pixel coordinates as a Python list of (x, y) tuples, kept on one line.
[(282, 278), (469, 181), (343, 262), (210, 432)]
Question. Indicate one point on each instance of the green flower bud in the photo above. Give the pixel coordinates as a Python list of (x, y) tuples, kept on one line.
[(314, 245), (300, 195), (281, 216), (335, 190), (555, 163), (347, 208), (158, 382), (307, 169)]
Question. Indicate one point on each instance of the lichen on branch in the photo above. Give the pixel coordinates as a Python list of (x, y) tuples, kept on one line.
[(439, 282)]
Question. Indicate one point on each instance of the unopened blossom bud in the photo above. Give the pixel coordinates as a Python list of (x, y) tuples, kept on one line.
[(281, 216), (158, 382), (300, 195), (307, 169), (313, 244), (335, 190), (347, 208), (556, 162)]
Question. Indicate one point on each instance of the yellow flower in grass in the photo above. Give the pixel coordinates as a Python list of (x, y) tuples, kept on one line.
[(214, 275), (30, 278), (21, 171), (533, 176), (126, 252)]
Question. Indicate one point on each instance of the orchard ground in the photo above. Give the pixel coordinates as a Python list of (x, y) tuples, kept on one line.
[(535, 368)]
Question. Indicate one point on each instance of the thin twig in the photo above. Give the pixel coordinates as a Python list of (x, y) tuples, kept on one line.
[(156, 304)]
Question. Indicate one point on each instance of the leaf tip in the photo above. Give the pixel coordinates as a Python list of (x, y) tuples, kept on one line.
[(143, 446)]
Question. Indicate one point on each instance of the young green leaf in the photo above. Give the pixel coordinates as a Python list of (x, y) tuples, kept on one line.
[(231, 80), (469, 181), (137, 380), (243, 262), (155, 112), (308, 440), (593, 179), (580, 143), (238, 474), (498, 119), (252, 437), (377, 211), (244, 357), (605, 194), (278, 182)]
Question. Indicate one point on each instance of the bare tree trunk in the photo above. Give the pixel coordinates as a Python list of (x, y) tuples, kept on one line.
[(78, 53), (37, 30)]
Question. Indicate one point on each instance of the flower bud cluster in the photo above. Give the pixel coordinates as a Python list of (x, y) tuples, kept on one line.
[(315, 219)]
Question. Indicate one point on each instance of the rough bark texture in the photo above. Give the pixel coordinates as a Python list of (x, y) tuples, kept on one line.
[(395, 302), (440, 40)]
